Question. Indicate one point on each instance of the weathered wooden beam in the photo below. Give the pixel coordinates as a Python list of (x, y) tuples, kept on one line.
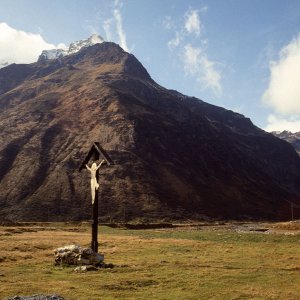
[(96, 150), (104, 153)]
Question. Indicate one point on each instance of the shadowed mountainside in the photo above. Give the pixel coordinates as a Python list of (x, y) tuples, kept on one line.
[(292, 138), (176, 157)]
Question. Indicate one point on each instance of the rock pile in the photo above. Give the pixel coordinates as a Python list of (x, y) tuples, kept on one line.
[(75, 255)]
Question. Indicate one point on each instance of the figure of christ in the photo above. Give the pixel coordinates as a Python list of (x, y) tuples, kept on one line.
[(94, 184)]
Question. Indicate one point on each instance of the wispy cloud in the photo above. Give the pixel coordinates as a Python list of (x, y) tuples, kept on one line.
[(168, 22), (192, 22), (18, 46), (107, 28), (119, 25), (92, 29), (175, 41), (192, 48), (191, 59), (113, 26), (204, 70)]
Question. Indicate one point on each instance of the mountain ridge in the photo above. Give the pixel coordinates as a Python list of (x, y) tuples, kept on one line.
[(290, 137), (176, 157)]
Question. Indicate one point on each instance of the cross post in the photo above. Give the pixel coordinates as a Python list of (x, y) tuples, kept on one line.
[(96, 152), (94, 243)]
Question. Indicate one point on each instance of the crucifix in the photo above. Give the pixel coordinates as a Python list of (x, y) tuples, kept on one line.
[(96, 152)]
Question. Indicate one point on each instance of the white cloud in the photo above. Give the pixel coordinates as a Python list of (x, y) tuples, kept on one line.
[(204, 9), (119, 26), (92, 29), (168, 23), (192, 22), (283, 92), (191, 58), (198, 65), (113, 26), (211, 76), (276, 123), (18, 46), (175, 41), (191, 26), (192, 49), (107, 29)]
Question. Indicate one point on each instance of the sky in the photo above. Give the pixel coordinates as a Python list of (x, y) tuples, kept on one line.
[(243, 55)]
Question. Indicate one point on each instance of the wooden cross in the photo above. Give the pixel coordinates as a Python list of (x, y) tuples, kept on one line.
[(96, 152)]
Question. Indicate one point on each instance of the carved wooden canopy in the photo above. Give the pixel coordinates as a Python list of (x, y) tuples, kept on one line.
[(96, 152)]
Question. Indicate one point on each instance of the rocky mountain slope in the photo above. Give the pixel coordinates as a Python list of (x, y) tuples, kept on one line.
[(175, 157), (290, 137)]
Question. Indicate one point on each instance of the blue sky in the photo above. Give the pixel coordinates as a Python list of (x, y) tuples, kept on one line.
[(243, 55)]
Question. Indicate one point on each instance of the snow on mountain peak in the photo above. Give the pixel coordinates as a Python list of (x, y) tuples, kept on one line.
[(92, 40), (3, 64), (73, 48)]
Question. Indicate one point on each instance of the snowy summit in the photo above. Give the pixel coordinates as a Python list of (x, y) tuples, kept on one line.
[(73, 48)]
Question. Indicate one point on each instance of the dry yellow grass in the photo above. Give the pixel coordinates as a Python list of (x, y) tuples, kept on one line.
[(153, 264), (292, 225)]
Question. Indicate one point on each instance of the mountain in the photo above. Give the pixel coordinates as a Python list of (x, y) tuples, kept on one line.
[(290, 137), (175, 157), (3, 64), (73, 48)]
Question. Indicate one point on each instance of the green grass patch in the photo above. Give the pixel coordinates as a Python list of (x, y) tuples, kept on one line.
[(203, 235)]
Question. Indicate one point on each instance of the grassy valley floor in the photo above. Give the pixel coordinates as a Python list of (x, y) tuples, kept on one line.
[(186, 262)]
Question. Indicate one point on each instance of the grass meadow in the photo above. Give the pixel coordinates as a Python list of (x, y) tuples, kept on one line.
[(181, 263)]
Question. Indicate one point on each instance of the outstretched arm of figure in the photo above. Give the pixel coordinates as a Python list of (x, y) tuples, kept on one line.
[(102, 161), (88, 167)]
